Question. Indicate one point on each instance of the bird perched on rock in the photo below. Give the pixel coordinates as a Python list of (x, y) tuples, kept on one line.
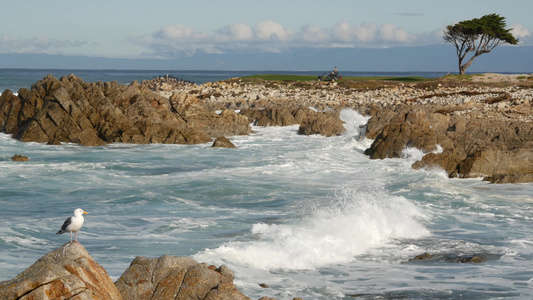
[(73, 224)]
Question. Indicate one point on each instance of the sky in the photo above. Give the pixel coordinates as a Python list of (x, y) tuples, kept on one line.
[(169, 29)]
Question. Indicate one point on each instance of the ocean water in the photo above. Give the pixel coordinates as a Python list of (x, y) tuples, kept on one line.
[(309, 216)]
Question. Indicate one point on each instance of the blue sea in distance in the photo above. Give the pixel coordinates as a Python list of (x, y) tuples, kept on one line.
[(309, 216)]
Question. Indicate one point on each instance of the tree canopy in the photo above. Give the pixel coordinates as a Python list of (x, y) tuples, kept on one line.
[(478, 36)]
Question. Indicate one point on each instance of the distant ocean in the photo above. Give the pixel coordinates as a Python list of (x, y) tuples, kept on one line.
[(309, 216)]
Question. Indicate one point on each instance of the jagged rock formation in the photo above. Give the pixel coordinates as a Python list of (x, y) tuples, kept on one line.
[(92, 114), (498, 149)]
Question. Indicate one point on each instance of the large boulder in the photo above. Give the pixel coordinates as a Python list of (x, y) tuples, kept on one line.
[(324, 123), (413, 128), (170, 277), (66, 273)]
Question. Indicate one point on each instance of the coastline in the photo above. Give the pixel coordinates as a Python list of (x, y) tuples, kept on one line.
[(470, 126), (481, 124)]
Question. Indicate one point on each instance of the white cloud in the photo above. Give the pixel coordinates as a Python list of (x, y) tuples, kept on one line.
[(236, 32), (343, 32), (178, 31), (391, 33), (269, 36), (313, 34), (267, 30), (40, 44), (519, 31), (266, 36)]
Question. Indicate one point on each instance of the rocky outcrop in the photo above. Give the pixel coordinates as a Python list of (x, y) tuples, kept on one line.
[(70, 273), (472, 146), (326, 124), (277, 115), (170, 277), (166, 83), (310, 121), (66, 273), (92, 114)]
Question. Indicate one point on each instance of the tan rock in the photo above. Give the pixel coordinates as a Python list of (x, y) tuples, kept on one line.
[(18, 157), (326, 124), (93, 114), (223, 142), (170, 277), (66, 273)]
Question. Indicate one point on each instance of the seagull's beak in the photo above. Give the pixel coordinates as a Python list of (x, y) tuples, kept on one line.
[(85, 212)]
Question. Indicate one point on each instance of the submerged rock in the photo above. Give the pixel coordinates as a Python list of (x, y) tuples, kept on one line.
[(18, 157), (222, 142), (454, 258)]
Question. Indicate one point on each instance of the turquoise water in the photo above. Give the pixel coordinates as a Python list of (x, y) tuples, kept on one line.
[(309, 216)]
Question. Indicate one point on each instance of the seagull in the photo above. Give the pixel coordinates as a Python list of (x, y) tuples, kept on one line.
[(73, 224)]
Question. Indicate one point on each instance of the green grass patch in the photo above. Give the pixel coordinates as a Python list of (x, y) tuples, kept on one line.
[(282, 77), (468, 77), (389, 78)]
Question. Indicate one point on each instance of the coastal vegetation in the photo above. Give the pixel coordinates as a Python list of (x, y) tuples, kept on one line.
[(285, 77)]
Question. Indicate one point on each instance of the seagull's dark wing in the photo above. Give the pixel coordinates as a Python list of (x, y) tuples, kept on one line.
[(65, 225)]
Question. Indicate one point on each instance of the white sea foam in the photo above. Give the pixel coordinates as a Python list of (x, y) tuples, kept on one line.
[(349, 225)]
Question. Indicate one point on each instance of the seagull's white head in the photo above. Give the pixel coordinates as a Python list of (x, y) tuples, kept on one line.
[(79, 212)]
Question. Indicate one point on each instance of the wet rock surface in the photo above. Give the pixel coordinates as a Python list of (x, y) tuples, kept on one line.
[(474, 258)]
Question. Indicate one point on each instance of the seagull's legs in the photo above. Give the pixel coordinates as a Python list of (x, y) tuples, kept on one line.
[(70, 239)]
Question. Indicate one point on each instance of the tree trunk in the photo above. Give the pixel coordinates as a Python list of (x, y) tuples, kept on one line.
[(462, 70)]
